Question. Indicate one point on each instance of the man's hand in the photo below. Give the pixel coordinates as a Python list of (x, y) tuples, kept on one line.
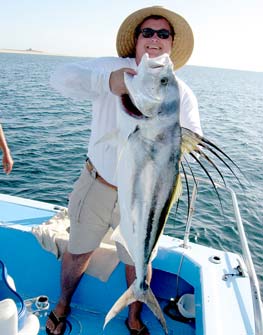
[(117, 85)]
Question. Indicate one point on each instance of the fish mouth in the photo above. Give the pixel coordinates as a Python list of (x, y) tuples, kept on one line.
[(130, 108)]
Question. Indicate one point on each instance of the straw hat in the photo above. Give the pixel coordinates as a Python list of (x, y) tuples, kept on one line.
[(183, 41)]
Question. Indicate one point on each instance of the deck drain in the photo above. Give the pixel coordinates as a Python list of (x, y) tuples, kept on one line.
[(215, 259)]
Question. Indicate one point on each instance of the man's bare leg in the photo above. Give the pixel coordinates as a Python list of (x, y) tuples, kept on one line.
[(73, 267), (134, 318)]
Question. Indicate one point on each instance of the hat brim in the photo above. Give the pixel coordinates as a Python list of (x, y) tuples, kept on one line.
[(183, 42)]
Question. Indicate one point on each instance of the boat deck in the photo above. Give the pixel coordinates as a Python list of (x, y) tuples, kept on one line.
[(223, 299), (22, 254), (88, 322)]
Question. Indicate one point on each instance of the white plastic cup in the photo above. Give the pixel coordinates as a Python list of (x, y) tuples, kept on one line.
[(8, 317), (186, 305)]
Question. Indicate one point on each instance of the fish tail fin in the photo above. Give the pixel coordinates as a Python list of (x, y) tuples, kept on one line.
[(150, 300), (126, 299), (129, 297)]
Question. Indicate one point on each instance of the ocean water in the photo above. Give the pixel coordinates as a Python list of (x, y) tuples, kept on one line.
[(48, 137)]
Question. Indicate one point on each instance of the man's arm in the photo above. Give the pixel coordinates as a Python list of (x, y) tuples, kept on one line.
[(89, 79)]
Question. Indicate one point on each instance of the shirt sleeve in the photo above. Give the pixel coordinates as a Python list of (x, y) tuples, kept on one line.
[(86, 79), (189, 112)]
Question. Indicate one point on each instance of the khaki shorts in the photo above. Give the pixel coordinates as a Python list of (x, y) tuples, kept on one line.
[(93, 210)]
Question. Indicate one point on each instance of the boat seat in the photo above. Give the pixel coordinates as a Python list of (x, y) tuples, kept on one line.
[(7, 291)]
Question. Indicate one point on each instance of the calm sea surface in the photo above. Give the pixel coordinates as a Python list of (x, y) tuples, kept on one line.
[(48, 137)]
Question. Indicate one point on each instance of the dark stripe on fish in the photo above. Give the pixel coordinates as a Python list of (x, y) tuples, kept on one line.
[(164, 212)]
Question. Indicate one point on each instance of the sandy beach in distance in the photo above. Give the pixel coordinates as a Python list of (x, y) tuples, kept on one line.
[(30, 52)]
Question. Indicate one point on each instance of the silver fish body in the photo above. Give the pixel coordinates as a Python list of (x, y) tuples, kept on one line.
[(148, 171)]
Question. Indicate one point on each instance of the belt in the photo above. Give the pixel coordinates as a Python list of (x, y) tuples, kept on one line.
[(94, 173)]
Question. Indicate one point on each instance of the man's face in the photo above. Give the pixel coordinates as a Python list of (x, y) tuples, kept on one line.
[(154, 46)]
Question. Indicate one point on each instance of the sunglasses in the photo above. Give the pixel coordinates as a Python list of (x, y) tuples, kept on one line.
[(149, 32)]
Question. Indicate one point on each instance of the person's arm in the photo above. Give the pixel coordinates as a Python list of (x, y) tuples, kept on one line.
[(89, 79), (7, 158)]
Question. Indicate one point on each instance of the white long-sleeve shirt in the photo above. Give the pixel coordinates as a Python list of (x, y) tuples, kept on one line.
[(90, 80)]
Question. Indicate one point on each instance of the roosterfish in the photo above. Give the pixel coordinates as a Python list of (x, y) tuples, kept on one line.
[(151, 146)]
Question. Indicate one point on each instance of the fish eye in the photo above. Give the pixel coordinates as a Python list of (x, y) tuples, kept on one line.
[(164, 81)]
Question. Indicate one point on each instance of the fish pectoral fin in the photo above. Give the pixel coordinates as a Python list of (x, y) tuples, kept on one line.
[(126, 299), (111, 138), (190, 141), (118, 237)]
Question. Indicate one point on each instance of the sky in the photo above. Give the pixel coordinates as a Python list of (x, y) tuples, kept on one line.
[(228, 33)]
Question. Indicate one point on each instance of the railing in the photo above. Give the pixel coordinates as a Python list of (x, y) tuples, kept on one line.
[(257, 302)]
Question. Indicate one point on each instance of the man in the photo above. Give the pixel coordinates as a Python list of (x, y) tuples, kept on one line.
[(93, 206), (7, 158)]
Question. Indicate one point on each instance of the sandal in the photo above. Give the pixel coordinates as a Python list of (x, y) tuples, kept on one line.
[(143, 331), (57, 321)]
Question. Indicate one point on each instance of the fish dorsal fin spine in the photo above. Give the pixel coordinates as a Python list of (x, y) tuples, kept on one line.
[(190, 141)]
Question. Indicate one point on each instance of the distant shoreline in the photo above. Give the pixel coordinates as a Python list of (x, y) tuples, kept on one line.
[(32, 52), (44, 53)]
